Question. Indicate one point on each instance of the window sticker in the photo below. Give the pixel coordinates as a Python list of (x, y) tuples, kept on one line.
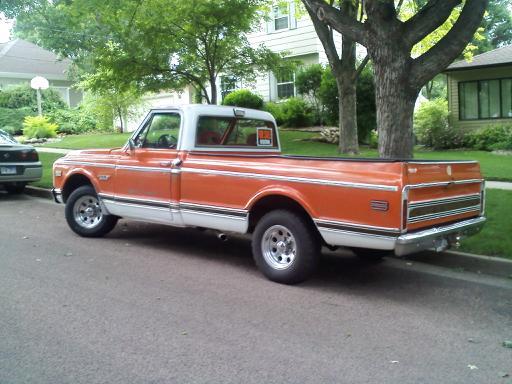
[(264, 137)]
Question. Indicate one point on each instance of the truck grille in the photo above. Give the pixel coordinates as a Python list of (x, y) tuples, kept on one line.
[(440, 208)]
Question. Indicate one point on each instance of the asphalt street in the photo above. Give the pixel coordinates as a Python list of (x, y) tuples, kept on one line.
[(154, 304)]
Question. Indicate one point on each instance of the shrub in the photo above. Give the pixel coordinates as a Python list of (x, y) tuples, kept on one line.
[(243, 98), (73, 121), (491, 138), (308, 81), (431, 126), (366, 109), (13, 118), (296, 113), (25, 97), (39, 127), (374, 139), (275, 110)]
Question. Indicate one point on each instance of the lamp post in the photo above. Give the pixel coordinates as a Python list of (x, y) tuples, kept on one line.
[(39, 83)]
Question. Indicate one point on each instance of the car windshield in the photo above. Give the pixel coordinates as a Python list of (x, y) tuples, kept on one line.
[(5, 138)]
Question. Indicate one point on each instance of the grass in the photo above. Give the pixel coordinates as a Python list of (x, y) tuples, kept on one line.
[(495, 239), (98, 140), (47, 160)]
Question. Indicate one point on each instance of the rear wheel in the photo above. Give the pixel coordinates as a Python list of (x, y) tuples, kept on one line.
[(285, 247), (15, 188), (84, 214)]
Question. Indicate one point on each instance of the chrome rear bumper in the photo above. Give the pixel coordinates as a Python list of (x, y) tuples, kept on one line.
[(438, 238)]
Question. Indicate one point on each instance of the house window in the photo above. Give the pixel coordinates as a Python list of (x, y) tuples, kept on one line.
[(228, 84), (281, 17), (485, 99), (285, 84)]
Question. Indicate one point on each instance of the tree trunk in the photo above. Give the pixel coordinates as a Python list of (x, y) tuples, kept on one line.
[(120, 116), (348, 117), (213, 89)]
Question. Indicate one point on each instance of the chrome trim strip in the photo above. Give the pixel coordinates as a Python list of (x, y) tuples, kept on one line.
[(443, 162), (144, 169), (440, 215), (359, 234), (117, 202), (32, 164), (443, 183), (226, 216), (291, 179), (90, 164), (454, 199), (356, 226)]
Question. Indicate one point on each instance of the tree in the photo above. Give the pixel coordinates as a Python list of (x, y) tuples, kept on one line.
[(496, 26), (344, 70), (149, 45), (389, 40), (308, 82)]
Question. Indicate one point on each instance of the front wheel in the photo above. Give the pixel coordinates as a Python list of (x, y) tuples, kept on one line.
[(84, 214), (285, 247)]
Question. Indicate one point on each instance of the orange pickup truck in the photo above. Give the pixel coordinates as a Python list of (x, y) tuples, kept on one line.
[(221, 168)]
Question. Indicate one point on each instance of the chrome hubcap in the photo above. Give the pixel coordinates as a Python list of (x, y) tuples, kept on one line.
[(278, 247), (87, 212)]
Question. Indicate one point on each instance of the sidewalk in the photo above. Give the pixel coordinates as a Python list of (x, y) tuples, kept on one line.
[(498, 185)]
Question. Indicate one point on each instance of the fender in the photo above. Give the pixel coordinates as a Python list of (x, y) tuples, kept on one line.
[(84, 172), (284, 191)]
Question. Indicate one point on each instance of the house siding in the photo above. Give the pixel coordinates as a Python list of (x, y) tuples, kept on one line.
[(453, 80)]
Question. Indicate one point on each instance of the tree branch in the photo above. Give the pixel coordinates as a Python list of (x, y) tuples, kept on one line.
[(341, 22), (327, 40), (361, 66), (428, 19), (450, 46)]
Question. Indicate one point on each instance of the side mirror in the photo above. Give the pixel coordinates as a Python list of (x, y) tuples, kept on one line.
[(131, 145)]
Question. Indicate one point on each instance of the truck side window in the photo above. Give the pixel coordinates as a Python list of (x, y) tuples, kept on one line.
[(214, 131), (162, 131)]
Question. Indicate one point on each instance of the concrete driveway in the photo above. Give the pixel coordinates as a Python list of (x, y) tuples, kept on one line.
[(152, 304)]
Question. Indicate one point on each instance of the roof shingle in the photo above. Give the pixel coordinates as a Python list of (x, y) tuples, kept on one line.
[(498, 56)]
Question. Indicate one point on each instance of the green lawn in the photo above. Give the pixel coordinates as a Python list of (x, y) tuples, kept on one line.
[(495, 239), (47, 160), (98, 140)]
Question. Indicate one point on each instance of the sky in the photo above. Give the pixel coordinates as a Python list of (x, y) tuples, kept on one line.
[(5, 28)]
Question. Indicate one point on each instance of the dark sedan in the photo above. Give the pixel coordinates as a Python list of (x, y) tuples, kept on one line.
[(19, 164)]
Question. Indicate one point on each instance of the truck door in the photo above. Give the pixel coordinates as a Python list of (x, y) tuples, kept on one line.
[(143, 178)]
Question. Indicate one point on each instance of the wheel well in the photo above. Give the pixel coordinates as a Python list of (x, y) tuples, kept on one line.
[(273, 202), (75, 181)]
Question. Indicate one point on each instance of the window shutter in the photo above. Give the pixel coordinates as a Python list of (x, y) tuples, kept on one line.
[(270, 24)]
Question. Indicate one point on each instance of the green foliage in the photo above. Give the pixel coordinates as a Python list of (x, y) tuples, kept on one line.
[(39, 127), (275, 110), (496, 25), (308, 81), (494, 137), (366, 111), (296, 113), (13, 118), (23, 96), (149, 45), (374, 139), (243, 98), (431, 126), (73, 121)]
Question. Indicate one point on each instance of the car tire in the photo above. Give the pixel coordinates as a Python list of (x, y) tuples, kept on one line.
[(84, 214), (15, 188), (285, 247)]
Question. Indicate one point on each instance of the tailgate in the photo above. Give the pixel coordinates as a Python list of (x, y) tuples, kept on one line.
[(441, 192)]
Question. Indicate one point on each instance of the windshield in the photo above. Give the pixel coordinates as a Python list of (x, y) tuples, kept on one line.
[(5, 138)]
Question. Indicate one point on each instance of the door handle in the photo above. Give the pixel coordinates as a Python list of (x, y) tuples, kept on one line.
[(176, 163)]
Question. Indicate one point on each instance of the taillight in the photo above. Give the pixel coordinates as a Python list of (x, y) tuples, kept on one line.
[(29, 155)]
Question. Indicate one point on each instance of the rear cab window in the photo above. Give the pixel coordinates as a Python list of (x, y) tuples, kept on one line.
[(235, 132)]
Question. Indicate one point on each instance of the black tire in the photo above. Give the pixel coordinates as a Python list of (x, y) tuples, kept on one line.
[(15, 188), (371, 255), (303, 239), (103, 224)]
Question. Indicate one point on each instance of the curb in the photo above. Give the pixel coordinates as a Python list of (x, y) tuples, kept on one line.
[(38, 192), (461, 261)]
